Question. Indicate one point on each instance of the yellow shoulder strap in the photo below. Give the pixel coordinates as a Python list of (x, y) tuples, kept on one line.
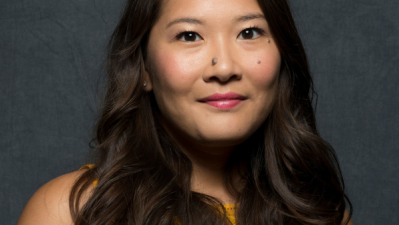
[(90, 166)]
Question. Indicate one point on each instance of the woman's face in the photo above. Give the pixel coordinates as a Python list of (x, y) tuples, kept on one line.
[(212, 104)]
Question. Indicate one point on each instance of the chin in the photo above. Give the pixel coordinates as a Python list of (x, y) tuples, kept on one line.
[(224, 139)]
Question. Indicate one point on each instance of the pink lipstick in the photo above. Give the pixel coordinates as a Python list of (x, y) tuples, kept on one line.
[(223, 101)]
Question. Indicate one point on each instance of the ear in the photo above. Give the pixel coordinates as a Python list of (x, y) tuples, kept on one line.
[(147, 81)]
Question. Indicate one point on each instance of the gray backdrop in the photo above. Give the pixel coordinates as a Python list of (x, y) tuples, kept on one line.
[(50, 58)]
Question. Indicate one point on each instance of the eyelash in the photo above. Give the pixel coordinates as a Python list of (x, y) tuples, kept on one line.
[(181, 34), (260, 31)]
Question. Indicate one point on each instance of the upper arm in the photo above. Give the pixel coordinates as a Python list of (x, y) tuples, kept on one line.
[(50, 204)]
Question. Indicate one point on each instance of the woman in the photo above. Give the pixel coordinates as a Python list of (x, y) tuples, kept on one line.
[(207, 120)]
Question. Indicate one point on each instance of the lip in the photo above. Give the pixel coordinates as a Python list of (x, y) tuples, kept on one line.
[(223, 100)]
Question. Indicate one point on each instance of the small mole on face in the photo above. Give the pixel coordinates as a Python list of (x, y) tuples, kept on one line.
[(268, 41), (258, 61)]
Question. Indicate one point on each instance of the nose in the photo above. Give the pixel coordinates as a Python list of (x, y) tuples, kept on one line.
[(222, 66)]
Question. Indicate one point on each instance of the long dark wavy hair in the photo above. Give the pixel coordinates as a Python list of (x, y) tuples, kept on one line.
[(291, 174)]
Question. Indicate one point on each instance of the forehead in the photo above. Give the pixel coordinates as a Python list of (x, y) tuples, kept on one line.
[(208, 10)]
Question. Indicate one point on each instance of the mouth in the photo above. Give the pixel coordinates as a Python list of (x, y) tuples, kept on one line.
[(223, 101)]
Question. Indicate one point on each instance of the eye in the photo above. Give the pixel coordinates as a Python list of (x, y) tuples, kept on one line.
[(250, 33), (188, 36)]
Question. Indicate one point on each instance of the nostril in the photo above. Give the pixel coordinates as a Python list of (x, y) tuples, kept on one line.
[(222, 70), (224, 79)]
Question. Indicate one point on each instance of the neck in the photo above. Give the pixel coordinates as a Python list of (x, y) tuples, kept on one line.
[(209, 165)]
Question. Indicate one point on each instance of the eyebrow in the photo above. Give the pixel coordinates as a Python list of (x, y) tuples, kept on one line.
[(250, 17), (197, 21), (184, 20)]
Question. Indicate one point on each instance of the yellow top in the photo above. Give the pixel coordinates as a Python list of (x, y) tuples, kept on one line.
[(229, 207)]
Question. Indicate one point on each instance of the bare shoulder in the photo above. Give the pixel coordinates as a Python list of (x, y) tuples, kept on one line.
[(50, 203), (346, 216)]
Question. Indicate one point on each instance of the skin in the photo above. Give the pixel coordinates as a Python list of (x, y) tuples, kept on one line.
[(180, 73)]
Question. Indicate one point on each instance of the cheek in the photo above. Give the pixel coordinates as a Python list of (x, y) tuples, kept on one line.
[(173, 71), (264, 74)]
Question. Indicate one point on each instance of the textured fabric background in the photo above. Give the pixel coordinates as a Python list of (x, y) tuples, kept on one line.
[(50, 62)]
